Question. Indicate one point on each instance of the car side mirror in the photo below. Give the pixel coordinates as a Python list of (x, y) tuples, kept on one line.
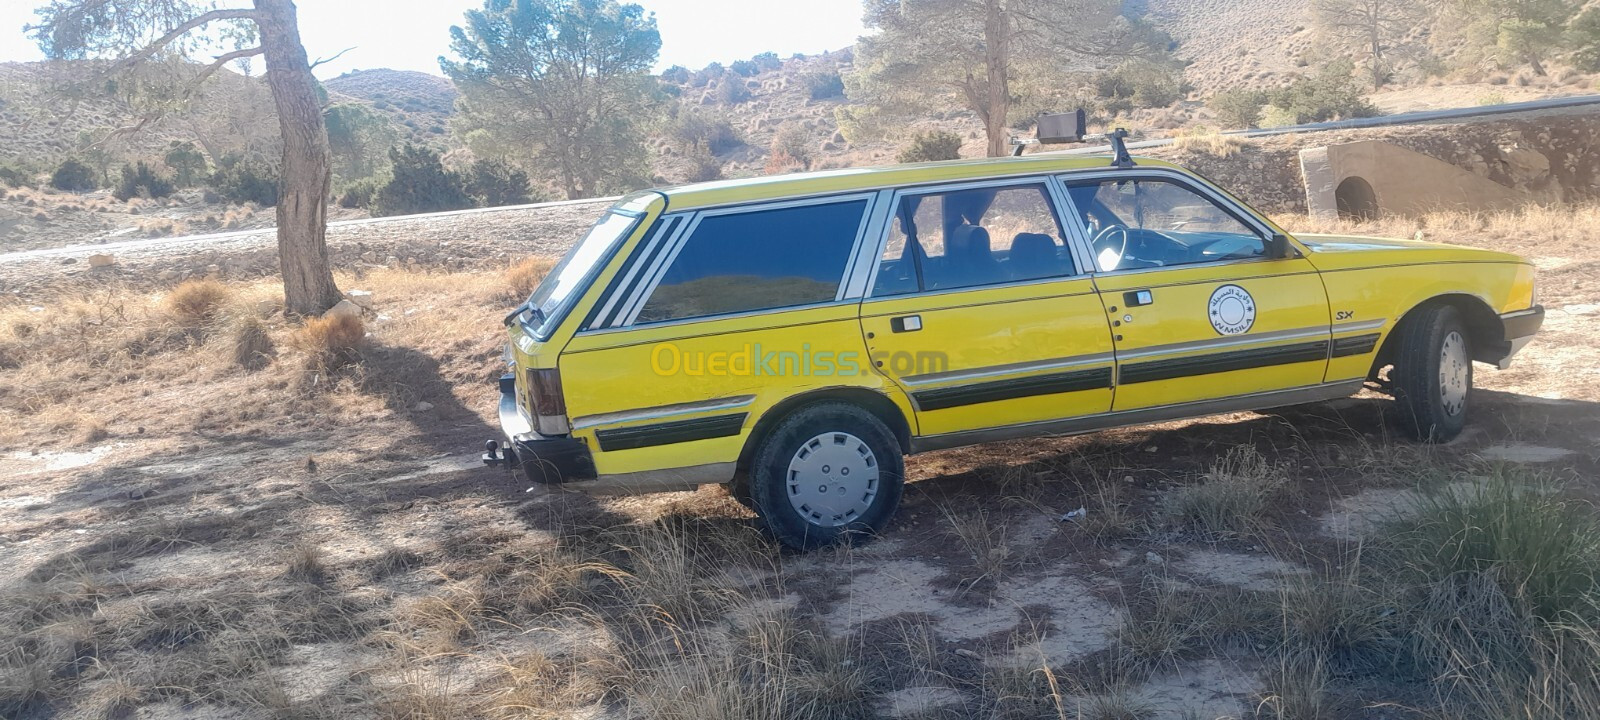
[(1278, 247)]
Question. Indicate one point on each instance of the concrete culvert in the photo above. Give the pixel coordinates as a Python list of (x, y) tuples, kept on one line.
[(1356, 200)]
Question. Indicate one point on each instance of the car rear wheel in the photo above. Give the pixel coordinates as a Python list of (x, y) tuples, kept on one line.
[(826, 473), (1432, 374)]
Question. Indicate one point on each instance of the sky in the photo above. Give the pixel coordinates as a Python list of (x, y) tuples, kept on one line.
[(412, 35)]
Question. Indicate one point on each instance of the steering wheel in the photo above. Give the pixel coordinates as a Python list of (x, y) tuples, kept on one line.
[(1104, 256)]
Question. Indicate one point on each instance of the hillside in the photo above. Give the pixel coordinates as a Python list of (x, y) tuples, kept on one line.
[(1231, 43), (418, 102)]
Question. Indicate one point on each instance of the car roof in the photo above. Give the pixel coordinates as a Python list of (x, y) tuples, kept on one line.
[(844, 180)]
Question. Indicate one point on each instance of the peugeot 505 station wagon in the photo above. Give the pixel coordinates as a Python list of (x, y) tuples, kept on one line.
[(797, 336)]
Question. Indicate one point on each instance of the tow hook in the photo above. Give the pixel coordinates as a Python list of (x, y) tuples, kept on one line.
[(493, 456)]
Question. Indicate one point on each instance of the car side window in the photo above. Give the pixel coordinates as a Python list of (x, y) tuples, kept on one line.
[(972, 238), (757, 260), (1152, 222)]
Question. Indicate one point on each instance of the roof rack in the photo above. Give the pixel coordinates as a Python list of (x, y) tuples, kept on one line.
[(1069, 128)]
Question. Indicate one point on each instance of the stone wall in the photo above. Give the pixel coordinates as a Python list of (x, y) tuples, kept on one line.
[(1552, 156)]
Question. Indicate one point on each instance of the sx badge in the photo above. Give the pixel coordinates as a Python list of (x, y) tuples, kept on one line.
[(1232, 310)]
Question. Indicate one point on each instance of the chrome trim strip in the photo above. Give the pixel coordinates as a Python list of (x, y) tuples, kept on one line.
[(1106, 421), (1223, 342), (1008, 369), (1520, 313), (647, 280), (857, 250), (877, 236), (661, 411), (669, 224), (651, 481), (724, 316), (1359, 325)]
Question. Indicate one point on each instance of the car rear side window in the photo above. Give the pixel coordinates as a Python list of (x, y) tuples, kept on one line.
[(758, 260), (971, 238)]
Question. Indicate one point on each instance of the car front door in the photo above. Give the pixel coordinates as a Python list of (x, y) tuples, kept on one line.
[(1198, 309), (981, 313)]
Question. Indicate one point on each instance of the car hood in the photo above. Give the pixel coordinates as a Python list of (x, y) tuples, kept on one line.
[(1335, 251)]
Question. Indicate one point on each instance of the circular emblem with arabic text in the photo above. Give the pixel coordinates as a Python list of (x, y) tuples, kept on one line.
[(1232, 311)]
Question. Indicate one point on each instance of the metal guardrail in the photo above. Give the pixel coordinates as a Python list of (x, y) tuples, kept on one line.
[(1409, 118)]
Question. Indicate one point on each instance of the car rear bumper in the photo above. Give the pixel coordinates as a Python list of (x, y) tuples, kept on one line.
[(1518, 327), (544, 459)]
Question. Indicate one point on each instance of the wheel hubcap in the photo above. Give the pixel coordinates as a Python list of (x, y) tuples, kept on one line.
[(833, 479), (1454, 373)]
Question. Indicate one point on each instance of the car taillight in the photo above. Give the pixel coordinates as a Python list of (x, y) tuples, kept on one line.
[(549, 406)]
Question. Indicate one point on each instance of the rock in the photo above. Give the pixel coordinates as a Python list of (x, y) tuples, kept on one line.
[(101, 260), (1525, 165), (1153, 559), (213, 269), (360, 297), (169, 275), (369, 257), (345, 307), (963, 652), (423, 406)]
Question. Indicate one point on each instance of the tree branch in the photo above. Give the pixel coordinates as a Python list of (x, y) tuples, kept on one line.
[(331, 59), (177, 32), (217, 65)]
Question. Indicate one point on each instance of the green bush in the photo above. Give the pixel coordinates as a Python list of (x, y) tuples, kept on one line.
[(695, 128), (360, 193), (767, 61), (933, 145), (140, 180), (73, 176), (419, 184), (703, 166), (731, 90), (241, 181), (1143, 83), (493, 183), (744, 68), (677, 75), (824, 85), (1330, 94), (188, 164), (1238, 109), (16, 176)]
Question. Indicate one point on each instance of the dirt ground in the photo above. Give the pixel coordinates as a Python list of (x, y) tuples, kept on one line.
[(181, 537)]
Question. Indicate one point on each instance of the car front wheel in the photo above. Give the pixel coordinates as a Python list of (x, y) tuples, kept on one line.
[(1432, 374), (827, 472)]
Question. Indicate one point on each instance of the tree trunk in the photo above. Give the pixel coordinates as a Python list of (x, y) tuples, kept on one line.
[(997, 62), (306, 176)]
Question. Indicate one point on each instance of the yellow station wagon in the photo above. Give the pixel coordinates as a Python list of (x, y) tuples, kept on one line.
[(797, 336)]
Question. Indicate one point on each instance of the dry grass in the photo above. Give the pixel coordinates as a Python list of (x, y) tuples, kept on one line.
[(983, 538), (523, 277), (1208, 142), (195, 303), (1232, 499), (330, 342)]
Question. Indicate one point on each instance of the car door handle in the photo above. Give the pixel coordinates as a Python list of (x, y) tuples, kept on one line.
[(907, 323), (1138, 298)]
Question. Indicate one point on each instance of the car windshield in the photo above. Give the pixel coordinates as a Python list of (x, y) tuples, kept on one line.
[(564, 281)]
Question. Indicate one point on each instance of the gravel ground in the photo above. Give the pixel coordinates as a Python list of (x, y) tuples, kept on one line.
[(474, 238)]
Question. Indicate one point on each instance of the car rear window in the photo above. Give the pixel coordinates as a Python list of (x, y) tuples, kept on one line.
[(551, 300), (758, 260)]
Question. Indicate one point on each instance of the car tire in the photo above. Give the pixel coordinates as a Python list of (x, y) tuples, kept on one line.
[(1432, 374), (828, 472)]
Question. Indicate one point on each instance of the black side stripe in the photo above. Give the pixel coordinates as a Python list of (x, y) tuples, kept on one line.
[(668, 433), (1358, 345), (662, 229), (1072, 381), (1223, 362)]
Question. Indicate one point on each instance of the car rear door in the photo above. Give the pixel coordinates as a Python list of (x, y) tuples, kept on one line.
[(980, 311), (1198, 311)]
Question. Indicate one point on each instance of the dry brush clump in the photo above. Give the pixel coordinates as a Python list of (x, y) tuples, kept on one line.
[(523, 277), (329, 342), (1232, 499)]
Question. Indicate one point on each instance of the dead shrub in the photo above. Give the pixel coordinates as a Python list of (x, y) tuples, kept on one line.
[(252, 346), (305, 564), (524, 276), (194, 303), (331, 341)]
